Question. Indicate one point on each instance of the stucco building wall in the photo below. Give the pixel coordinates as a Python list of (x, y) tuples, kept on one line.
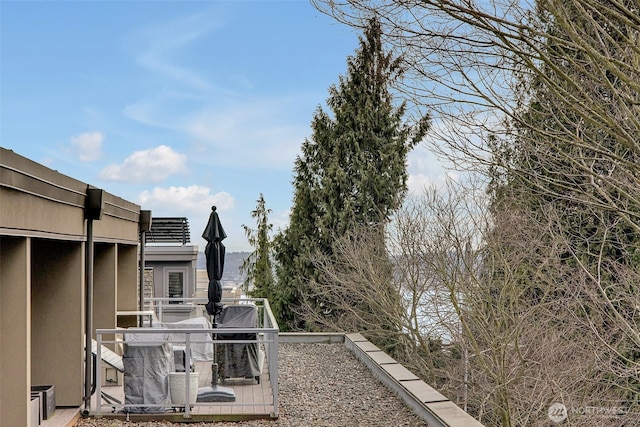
[(43, 267)]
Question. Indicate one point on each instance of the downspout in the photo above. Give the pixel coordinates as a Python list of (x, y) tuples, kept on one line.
[(144, 225), (94, 203), (143, 239)]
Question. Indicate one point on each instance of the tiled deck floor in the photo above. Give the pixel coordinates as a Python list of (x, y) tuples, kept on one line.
[(251, 399)]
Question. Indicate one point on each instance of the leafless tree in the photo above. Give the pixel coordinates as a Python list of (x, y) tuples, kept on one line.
[(502, 342), (543, 98)]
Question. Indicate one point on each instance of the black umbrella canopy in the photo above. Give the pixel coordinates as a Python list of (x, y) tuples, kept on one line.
[(214, 253)]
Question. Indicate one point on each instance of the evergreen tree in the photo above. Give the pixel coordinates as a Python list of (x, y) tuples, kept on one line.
[(258, 266), (352, 171)]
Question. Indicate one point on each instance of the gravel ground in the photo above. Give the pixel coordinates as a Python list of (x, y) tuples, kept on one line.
[(320, 385)]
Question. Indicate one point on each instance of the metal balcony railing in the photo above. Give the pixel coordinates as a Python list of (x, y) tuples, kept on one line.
[(250, 398), (164, 307)]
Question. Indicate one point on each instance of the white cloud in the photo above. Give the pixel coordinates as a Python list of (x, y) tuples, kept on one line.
[(153, 165), (158, 47), (144, 112), (419, 182), (184, 201), (210, 107), (255, 134), (280, 220), (426, 171), (193, 202), (88, 145)]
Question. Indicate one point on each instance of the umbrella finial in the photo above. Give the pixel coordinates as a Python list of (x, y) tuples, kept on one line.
[(213, 208)]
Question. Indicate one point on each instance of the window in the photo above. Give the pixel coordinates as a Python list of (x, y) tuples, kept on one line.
[(175, 283)]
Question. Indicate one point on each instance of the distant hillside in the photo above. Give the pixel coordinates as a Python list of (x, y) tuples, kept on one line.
[(232, 263)]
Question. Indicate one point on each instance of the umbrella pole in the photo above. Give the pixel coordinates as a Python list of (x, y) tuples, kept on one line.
[(215, 393), (214, 365)]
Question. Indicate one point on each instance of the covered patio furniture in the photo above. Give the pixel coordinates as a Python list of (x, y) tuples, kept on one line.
[(201, 344), (147, 360), (238, 360)]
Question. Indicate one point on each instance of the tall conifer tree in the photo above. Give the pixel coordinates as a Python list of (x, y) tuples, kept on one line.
[(352, 171), (259, 266)]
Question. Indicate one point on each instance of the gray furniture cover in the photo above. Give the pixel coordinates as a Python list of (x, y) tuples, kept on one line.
[(237, 360), (146, 371), (201, 344)]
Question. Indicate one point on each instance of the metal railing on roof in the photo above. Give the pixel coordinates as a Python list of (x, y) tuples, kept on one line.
[(266, 338)]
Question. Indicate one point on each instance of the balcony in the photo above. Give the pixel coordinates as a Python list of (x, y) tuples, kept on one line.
[(157, 354)]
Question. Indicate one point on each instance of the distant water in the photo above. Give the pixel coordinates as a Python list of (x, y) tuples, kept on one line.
[(232, 263)]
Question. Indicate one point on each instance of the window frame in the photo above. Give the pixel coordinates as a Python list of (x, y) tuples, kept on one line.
[(166, 274)]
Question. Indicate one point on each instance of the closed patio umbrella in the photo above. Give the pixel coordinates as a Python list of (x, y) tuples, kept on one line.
[(214, 252)]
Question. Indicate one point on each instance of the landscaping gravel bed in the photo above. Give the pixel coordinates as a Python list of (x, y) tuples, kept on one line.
[(320, 385)]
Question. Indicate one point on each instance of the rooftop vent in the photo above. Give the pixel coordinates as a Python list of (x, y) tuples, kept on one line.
[(169, 230)]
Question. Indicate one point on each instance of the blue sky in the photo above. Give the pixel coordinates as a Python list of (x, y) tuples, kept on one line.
[(174, 105)]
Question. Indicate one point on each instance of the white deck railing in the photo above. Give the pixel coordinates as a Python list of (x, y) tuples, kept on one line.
[(162, 307), (266, 337)]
